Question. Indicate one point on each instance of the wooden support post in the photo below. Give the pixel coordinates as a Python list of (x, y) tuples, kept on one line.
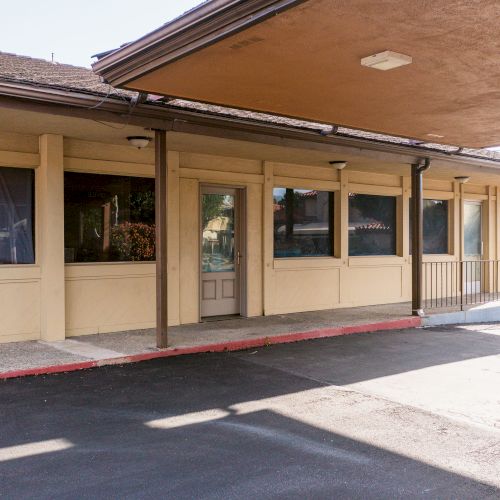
[(161, 187), (417, 241)]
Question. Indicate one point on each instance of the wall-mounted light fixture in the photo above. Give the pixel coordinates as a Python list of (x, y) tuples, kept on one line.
[(338, 164), (462, 179), (139, 141)]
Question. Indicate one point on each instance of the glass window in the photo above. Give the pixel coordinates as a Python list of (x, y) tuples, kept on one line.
[(108, 218), (303, 223), (372, 225), (472, 230), (217, 233), (435, 226), (17, 216)]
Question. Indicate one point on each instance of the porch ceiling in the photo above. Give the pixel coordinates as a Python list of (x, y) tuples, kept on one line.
[(305, 62)]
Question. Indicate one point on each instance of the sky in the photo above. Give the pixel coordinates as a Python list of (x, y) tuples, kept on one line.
[(74, 30)]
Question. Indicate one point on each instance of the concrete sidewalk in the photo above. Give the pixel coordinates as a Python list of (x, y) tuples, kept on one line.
[(37, 357)]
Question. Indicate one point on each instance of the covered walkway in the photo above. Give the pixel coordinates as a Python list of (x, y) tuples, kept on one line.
[(38, 357), (273, 49)]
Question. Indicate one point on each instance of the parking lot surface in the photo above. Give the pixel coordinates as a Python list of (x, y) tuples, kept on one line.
[(412, 413)]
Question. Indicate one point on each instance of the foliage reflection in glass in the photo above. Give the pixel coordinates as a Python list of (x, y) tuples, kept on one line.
[(217, 233), (108, 218), (435, 223), (303, 223), (372, 225)]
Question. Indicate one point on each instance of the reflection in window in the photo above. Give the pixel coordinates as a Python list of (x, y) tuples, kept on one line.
[(472, 230), (302, 223), (435, 224), (108, 218), (17, 216), (217, 233), (372, 225)]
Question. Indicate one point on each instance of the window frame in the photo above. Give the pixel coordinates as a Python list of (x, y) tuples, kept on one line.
[(437, 196), (334, 222), (387, 192), (118, 173), (35, 237)]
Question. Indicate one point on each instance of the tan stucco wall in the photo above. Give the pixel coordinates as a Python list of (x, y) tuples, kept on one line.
[(19, 303), (100, 298), (109, 297), (305, 284)]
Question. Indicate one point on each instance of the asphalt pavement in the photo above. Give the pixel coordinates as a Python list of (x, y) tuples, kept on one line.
[(288, 421)]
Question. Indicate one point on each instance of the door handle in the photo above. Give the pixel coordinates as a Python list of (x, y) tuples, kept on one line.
[(238, 257)]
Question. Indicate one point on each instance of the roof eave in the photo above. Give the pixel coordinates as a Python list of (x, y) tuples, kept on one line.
[(198, 28), (87, 106)]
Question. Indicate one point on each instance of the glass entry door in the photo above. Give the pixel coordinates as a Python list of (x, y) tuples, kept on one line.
[(220, 251), (473, 246)]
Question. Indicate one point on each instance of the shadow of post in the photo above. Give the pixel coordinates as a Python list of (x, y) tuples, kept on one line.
[(104, 413)]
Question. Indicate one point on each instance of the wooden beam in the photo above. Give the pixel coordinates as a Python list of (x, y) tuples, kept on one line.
[(18, 159), (78, 105), (161, 176)]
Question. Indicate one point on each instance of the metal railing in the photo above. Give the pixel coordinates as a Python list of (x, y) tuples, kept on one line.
[(459, 284)]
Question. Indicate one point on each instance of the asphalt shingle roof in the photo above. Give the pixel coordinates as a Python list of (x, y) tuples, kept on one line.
[(41, 73), (31, 71)]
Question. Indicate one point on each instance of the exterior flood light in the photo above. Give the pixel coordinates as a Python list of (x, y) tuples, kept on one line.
[(338, 164), (462, 179), (139, 141), (386, 60)]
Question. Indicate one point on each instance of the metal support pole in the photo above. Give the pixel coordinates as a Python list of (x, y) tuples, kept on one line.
[(161, 174), (417, 240)]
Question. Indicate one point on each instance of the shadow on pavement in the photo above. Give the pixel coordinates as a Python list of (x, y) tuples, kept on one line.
[(262, 454), (355, 358)]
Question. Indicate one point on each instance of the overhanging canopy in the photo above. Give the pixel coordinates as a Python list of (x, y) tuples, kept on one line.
[(302, 59)]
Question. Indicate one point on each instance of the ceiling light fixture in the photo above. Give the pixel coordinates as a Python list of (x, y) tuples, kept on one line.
[(138, 141), (386, 60), (338, 164), (462, 179)]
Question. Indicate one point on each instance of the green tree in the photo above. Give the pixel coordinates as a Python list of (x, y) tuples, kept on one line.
[(211, 207)]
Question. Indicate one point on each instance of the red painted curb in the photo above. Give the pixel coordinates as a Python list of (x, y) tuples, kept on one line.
[(235, 345)]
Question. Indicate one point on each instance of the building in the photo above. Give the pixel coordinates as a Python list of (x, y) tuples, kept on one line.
[(259, 215)]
